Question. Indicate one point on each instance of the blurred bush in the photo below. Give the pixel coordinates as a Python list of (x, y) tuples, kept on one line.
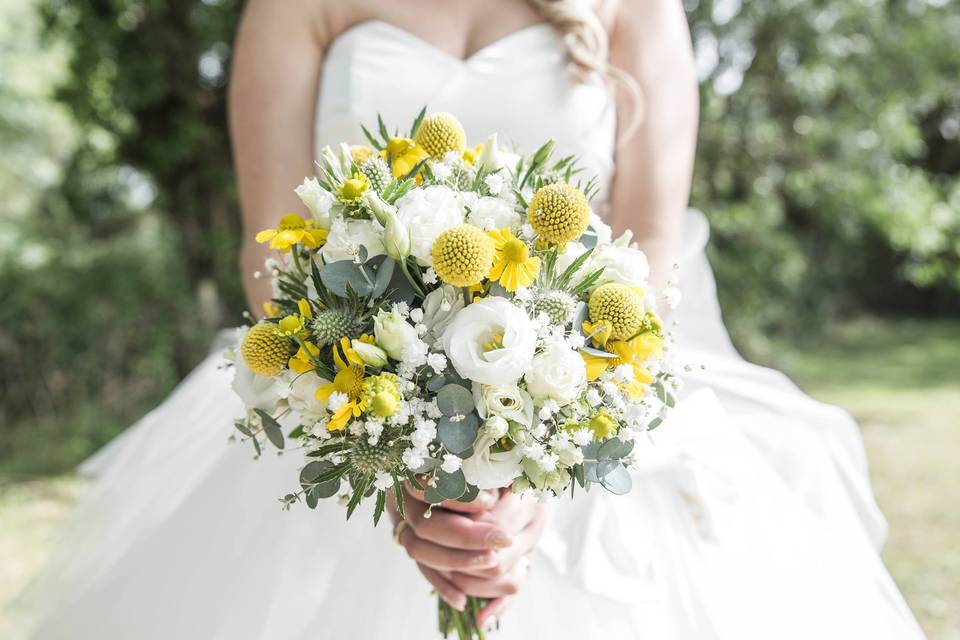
[(828, 165)]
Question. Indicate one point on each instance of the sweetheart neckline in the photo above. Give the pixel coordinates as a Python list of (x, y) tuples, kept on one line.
[(414, 38)]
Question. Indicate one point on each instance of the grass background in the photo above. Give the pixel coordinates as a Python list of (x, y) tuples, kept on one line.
[(900, 379)]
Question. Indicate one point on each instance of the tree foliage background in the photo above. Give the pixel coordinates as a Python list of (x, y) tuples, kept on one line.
[(829, 166)]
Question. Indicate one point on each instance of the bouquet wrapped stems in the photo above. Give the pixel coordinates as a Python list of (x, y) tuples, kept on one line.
[(463, 622)]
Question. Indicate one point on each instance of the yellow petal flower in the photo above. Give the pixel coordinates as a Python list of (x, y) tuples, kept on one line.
[(512, 265), (301, 362), (304, 308)]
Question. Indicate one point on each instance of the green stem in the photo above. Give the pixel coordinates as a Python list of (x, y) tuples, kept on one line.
[(463, 622), (409, 276), (295, 250)]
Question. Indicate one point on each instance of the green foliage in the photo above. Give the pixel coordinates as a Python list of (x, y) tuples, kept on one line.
[(829, 157)]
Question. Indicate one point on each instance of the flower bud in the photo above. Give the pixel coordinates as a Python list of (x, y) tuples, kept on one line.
[(490, 159), (496, 427), (396, 237), (393, 333), (371, 354)]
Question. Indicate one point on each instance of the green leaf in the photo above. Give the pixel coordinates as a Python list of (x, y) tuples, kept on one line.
[(614, 449), (455, 400), (433, 496), (312, 471), (417, 121), (373, 141), (398, 495), (385, 271), (383, 128), (597, 353), (358, 493), (243, 428), (380, 506), (338, 276), (271, 428), (458, 436), (617, 480), (470, 495), (451, 485), (296, 432)]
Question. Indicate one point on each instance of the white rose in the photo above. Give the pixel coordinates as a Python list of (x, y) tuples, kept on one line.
[(621, 264), (479, 323), (346, 237), (557, 374), (440, 306), (317, 199), (427, 213), (509, 402), (393, 333), (488, 470), (493, 213), (302, 396)]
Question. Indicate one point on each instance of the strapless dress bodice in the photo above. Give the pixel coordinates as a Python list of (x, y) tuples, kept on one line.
[(518, 86)]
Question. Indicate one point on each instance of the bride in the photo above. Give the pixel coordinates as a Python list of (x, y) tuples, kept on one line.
[(752, 518)]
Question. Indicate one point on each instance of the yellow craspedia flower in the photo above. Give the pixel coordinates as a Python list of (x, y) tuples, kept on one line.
[(404, 154), (559, 213), (462, 256), (440, 133), (512, 265), (293, 230), (352, 189), (618, 306), (360, 153), (264, 350)]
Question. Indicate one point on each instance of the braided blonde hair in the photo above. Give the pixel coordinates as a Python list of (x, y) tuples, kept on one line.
[(587, 46)]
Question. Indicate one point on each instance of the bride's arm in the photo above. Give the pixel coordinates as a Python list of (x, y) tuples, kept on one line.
[(272, 103), (650, 40)]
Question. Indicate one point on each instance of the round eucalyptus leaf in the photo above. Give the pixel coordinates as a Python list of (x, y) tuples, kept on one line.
[(470, 495), (590, 472), (313, 470), (455, 400), (617, 481), (458, 435), (327, 489), (337, 276), (384, 275), (432, 496), (606, 467), (451, 485), (436, 383), (614, 449)]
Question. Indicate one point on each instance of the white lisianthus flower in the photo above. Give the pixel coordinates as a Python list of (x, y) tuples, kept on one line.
[(621, 264), (256, 392), (557, 374), (396, 237), (440, 306), (393, 333), (571, 252), (490, 342), (493, 213), (346, 237), (496, 427), (317, 199), (601, 228), (426, 213), (505, 401), (302, 396), (488, 470)]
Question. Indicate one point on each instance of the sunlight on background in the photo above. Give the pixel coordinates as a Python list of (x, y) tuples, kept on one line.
[(829, 166)]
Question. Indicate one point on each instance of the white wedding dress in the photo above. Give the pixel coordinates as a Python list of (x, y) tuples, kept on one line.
[(752, 517)]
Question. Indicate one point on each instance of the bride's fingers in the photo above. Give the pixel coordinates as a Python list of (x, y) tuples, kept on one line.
[(445, 589), (443, 558), (492, 610), (505, 585), (454, 530)]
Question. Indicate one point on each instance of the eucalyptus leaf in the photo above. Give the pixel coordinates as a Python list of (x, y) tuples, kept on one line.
[(451, 485), (327, 489), (614, 449), (243, 428), (617, 481), (580, 316), (458, 436), (436, 383), (432, 496), (470, 495), (313, 470), (598, 353), (455, 400), (362, 253), (271, 428), (589, 238), (384, 276), (338, 276)]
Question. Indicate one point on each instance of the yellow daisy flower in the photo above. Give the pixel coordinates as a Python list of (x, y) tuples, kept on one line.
[(404, 154), (512, 265), (348, 381), (301, 362), (293, 230)]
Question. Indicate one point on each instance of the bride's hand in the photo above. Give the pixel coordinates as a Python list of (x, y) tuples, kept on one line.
[(478, 548)]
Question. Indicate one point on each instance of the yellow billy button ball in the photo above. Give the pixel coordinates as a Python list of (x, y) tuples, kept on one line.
[(462, 256), (440, 133), (264, 350), (559, 213), (619, 307)]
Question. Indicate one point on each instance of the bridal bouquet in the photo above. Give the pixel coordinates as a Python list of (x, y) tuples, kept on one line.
[(456, 318)]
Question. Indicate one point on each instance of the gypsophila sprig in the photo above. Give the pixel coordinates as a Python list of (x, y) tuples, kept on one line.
[(439, 319)]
